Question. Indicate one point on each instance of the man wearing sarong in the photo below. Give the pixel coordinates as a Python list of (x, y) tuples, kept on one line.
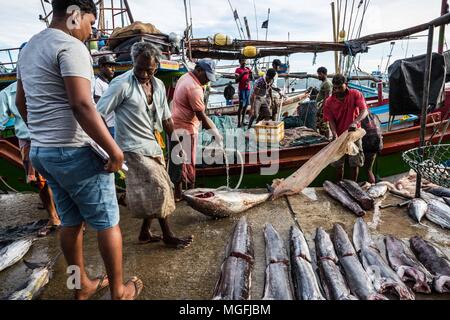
[(139, 101), (188, 110)]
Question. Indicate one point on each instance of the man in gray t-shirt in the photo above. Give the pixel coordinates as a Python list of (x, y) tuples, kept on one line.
[(54, 97)]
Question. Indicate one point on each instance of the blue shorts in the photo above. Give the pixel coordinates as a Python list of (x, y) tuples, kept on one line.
[(112, 131), (244, 97), (82, 189)]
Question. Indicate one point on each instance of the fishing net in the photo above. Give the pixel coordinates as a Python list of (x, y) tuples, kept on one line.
[(432, 162)]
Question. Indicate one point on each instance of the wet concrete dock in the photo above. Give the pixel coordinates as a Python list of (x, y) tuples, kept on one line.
[(193, 272)]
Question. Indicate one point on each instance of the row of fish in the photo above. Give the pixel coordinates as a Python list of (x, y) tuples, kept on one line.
[(346, 270), (433, 205)]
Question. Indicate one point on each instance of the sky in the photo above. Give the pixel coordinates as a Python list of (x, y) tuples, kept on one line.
[(303, 19)]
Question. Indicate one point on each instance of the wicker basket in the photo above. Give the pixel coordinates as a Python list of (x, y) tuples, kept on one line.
[(271, 132), (432, 162)]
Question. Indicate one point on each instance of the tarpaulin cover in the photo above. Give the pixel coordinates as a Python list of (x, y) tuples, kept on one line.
[(406, 79)]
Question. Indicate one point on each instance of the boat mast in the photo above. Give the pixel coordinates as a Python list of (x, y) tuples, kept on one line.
[(444, 10)]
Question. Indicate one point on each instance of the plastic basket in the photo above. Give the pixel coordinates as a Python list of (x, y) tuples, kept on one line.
[(270, 131), (432, 162)]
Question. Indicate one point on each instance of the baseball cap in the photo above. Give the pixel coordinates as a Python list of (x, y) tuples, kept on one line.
[(210, 68), (107, 60)]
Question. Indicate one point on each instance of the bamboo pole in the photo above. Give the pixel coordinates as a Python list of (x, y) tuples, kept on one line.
[(336, 56), (444, 10)]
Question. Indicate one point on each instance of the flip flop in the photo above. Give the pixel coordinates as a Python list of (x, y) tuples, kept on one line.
[(137, 289), (101, 284)]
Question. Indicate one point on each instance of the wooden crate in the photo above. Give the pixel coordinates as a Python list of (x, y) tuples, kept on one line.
[(270, 131)]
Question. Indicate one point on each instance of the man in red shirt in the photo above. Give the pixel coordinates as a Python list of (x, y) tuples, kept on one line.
[(345, 110), (243, 76)]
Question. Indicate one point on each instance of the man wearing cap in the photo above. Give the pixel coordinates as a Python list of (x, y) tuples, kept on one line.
[(107, 65), (188, 111)]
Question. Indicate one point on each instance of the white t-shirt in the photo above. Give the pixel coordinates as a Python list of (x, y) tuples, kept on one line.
[(100, 87), (47, 58)]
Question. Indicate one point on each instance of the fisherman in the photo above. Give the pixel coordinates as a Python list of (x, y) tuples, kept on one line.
[(8, 107), (54, 97), (139, 101), (243, 76), (344, 110), (229, 93), (326, 89), (372, 143), (276, 98), (188, 111), (261, 98), (107, 65)]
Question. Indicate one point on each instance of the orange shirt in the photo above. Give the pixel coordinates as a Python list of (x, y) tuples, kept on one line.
[(187, 99)]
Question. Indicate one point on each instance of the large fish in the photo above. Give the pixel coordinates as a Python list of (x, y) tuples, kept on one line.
[(378, 190), (417, 209), (235, 276), (38, 279), (408, 268), (357, 193), (12, 252), (440, 192), (277, 285), (333, 282), (218, 203), (438, 213), (13, 233), (340, 195), (435, 261), (306, 285), (357, 278), (384, 279)]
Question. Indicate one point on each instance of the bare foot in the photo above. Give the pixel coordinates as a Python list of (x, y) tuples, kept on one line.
[(178, 243), (133, 289), (92, 287), (149, 237)]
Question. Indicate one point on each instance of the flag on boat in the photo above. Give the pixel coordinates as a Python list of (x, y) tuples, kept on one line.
[(236, 16), (265, 25)]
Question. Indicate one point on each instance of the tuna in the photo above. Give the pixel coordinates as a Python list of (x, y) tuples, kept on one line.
[(357, 278), (306, 285), (440, 192), (341, 196), (435, 261), (333, 282), (13, 233), (13, 252), (357, 193), (406, 265), (438, 213), (378, 190), (384, 279), (218, 203), (39, 278), (277, 284), (417, 209), (235, 276)]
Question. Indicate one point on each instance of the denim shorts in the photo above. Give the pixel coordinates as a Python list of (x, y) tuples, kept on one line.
[(82, 189), (244, 97)]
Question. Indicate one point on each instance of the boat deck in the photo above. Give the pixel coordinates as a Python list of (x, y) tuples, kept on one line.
[(193, 272)]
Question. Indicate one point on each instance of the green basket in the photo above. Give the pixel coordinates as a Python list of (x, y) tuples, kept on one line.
[(432, 162)]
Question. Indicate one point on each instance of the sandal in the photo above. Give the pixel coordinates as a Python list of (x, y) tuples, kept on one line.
[(101, 284), (138, 286)]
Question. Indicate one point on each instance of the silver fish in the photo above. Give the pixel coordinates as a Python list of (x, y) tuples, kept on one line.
[(378, 190), (333, 282), (277, 285), (306, 284), (440, 192), (222, 203), (38, 279), (406, 265), (438, 213), (417, 209), (13, 252), (357, 278), (384, 279)]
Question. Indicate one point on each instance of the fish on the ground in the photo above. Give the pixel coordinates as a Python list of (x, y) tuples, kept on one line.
[(438, 213), (439, 192), (277, 285), (357, 193), (408, 268), (378, 190), (429, 197), (218, 203), (235, 276), (357, 278), (39, 278), (435, 261), (333, 282), (12, 252), (417, 208), (342, 196), (306, 285), (12, 233), (384, 279)]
